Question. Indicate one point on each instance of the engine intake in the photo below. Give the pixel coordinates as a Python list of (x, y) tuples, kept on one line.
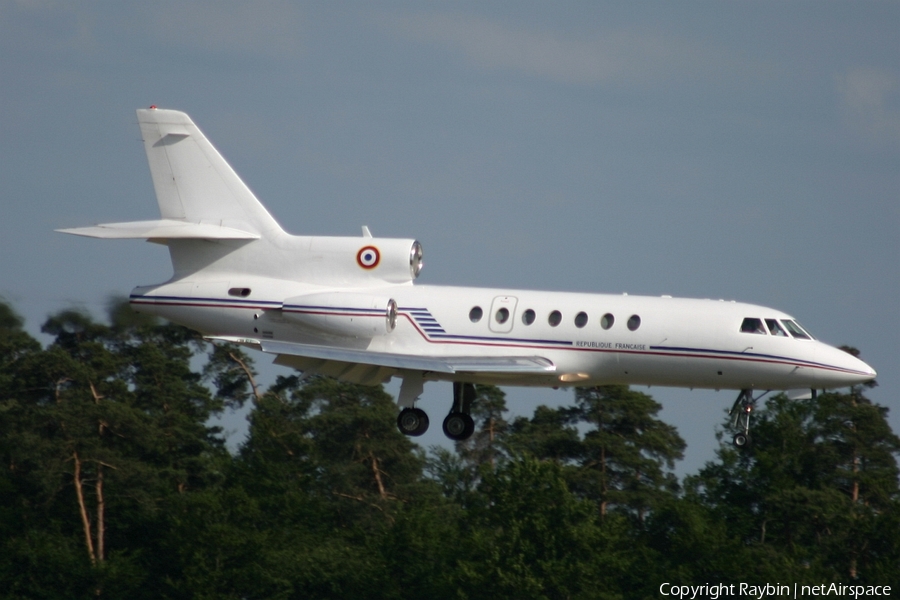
[(347, 314)]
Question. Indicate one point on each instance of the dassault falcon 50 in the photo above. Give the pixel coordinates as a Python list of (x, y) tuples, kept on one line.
[(347, 307)]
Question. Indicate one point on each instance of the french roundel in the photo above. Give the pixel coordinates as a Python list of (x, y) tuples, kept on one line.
[(368, 257)]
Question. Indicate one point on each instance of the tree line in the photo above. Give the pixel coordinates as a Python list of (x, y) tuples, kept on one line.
[(115, 484)]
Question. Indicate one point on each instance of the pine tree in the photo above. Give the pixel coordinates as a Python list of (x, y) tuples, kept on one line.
[(530, 537), (548, 435), (626, 451)]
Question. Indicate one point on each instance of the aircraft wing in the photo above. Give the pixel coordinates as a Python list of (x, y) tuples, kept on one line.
[(410, 362)]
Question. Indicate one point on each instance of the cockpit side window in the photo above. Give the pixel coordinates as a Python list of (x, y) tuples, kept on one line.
[(775, 328), (751, 325), (796, 330)]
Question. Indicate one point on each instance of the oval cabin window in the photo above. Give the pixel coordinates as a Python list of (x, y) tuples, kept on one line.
[(581, 319), (634, 322)]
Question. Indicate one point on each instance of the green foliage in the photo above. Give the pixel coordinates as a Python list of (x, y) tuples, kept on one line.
[(484, 447), (622, 459), (529, 536), (548, 435), (101, 430), (820, 487), (459, 471)]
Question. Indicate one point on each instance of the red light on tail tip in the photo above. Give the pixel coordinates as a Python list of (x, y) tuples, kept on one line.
[(152, 107)]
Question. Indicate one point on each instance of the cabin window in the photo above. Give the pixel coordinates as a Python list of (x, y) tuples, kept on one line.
[(751, 325), (239, 292), (634, 322), (528, 317), (607, 320), (581, 319), (502, 315), (775, 328), (796, 330), (475, 314), (555, 318)]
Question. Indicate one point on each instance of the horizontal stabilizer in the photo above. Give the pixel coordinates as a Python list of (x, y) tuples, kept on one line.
[(437, 364), (162, 229)]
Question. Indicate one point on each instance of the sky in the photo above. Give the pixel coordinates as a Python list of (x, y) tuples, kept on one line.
[(736, 150)]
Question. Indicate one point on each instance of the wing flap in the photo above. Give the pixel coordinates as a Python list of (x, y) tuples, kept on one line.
[(410, 362), (346, 355)]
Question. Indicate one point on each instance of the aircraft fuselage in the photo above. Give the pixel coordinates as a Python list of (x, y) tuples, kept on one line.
[(597, 339)]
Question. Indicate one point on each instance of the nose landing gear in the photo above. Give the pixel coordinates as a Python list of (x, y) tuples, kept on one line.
[(740, 411), (743, 406)]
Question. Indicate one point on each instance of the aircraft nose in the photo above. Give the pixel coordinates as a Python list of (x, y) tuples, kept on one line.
[(869, 370), (853, 370)]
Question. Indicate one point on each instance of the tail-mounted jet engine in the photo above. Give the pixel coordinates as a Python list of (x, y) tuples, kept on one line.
[(347, 314), (355, 262)]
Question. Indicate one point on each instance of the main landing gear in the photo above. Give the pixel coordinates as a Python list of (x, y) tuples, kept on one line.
[(458, 425), (411, 421)]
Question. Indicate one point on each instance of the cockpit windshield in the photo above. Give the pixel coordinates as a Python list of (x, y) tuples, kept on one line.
[(776, 327), (751, 325), (795, 329)]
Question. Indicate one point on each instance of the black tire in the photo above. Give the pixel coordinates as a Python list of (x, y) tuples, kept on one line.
[(741, 440), (459, 426), (412, 422)]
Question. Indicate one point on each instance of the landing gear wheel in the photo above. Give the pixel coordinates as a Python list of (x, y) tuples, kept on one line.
[(412, 421), (459, 426), (741, 440)]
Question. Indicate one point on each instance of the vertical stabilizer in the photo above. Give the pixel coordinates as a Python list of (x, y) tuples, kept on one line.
[(193, 182)]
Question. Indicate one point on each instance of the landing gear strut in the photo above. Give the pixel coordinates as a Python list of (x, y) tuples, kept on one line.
[(740, 420), (458, 425)]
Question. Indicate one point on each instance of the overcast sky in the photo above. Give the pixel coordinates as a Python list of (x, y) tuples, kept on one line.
[(746, 151)]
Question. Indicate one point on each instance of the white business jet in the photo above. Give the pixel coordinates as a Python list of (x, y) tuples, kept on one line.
[(346, 307)]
